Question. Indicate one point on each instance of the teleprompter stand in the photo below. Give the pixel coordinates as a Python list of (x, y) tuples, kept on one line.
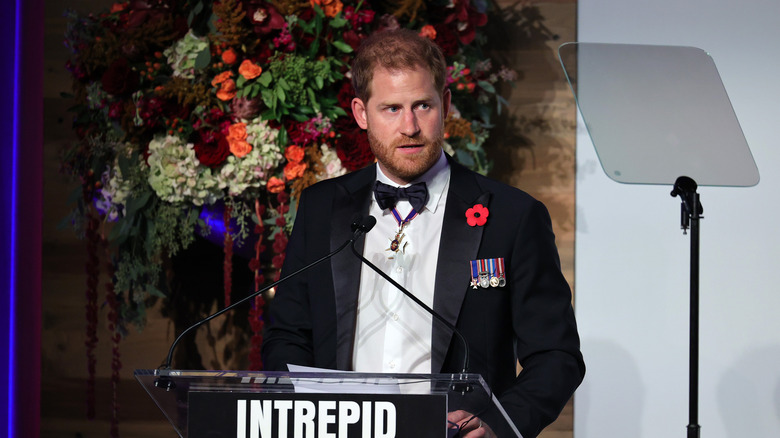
[(655, 113), (247, 404)]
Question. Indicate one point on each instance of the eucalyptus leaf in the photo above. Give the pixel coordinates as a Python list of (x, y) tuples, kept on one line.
[(115, 234), (265, 78), (203, 59), (313, 99), (314, 48), (342, 46), (134, 204), (152, 290), (464, 158), (487, 86), (338, 21), (299, 117), (473, 146)]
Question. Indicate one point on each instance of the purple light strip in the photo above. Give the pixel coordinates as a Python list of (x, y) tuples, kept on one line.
[(14, 192)]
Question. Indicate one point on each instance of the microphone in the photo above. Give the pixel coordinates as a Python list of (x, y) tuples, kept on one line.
[(363, 224), (367, 224), (360, 226)]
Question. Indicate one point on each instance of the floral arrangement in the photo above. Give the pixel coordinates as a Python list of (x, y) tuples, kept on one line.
[(210, 117)]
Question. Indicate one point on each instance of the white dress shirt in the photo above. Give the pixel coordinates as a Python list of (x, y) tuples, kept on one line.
[(393, 333)]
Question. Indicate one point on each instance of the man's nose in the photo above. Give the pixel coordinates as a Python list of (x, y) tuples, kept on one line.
[(409, 124)]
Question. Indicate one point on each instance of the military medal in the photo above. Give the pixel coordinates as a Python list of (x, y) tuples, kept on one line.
[(487, 273), (474, 282), (492, 272), (484, 275), (501, 272), (396, 243)]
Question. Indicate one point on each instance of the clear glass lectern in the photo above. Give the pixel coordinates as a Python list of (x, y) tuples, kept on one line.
[(339, 404)]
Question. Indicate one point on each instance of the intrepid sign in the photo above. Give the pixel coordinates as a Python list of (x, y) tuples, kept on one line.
[(280, 415)]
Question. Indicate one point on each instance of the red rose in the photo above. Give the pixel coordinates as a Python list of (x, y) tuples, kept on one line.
[(353, 39), (446, 39), (280, 243), (300, 134), (277, 262), (345, 95), (213, 148), (119, 79), (115, 110), (352, 146)]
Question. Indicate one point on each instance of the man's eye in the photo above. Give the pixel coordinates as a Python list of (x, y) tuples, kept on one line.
[(423, 106)]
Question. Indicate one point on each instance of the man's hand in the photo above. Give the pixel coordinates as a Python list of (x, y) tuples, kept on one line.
[(470, 425)]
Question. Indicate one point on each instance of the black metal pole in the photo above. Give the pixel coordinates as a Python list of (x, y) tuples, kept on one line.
[(693, 408), (691, 211)]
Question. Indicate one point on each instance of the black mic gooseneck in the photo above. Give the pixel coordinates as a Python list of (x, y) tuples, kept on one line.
[(369, 223), (359, 226)]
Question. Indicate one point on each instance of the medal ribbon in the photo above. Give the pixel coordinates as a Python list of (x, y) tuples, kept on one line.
[(402, 222)]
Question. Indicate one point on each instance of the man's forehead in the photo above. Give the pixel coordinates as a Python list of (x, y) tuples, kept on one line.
[(379, 72)]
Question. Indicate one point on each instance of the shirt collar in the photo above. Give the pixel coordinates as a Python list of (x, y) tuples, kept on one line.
[(435, 178)]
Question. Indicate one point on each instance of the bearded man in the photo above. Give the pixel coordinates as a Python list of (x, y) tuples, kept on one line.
[(480, 253)]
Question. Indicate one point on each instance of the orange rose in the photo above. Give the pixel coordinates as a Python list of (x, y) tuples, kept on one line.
[(428, 31), (249, 70), (237, 131), (275, 185), (294, 170), (239, 148), (228, 90), (330, 7), (294, 154), (222, 77), (229, 56)]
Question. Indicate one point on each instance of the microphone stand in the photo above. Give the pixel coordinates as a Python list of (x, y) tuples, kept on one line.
[(691, 212), (419, 303), (359, 227)]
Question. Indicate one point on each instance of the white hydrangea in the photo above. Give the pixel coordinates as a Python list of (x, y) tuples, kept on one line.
[(176, 175), (333, 167), (182, 55), (237, 175)]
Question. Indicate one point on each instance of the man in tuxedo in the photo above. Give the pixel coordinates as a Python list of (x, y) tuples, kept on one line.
[(480, 253)]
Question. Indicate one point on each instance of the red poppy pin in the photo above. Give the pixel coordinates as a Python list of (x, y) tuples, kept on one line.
[(477, 215)]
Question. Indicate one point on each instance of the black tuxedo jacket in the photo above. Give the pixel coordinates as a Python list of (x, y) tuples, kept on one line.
[(313, 316)]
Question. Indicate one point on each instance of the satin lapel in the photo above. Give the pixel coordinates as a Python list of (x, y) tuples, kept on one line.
[(351, 198), (459, 245)]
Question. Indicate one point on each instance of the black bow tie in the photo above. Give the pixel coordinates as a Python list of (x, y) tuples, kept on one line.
[(387, 196)]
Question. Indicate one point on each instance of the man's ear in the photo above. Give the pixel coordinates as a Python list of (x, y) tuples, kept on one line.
[(446, 100), (359, 111)]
